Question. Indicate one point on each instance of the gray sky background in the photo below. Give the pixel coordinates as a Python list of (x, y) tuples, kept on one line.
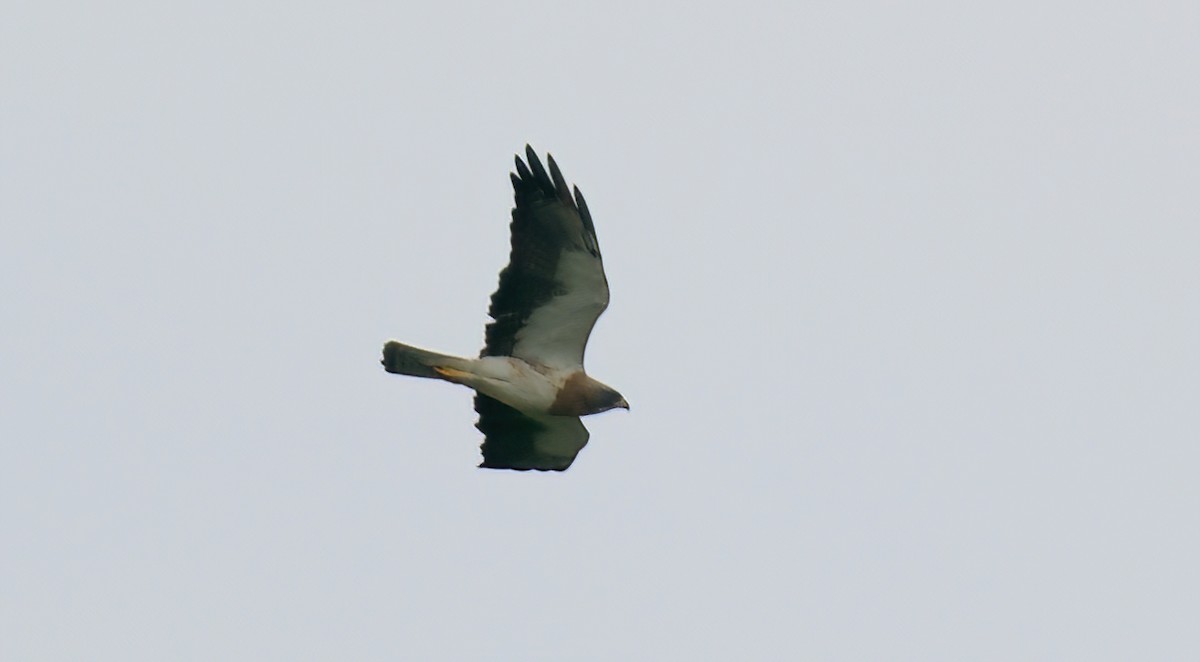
[(905, 300)]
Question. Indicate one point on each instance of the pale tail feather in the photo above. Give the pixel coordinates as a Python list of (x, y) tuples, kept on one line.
[(404, 359)]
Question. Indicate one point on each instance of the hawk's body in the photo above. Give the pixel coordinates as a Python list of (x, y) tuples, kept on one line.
[(530, 384)]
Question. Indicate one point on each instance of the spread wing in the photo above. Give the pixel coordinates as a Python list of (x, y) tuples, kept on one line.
[(553, 289), (513, 440)]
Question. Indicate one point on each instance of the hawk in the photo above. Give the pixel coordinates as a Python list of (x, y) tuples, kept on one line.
[(530, 385)]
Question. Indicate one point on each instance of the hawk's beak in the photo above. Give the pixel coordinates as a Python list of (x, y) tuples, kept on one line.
[(623, 405)]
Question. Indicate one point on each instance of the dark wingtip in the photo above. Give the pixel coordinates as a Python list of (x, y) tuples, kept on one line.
[(485, 465), (539, 172), (560, 183), (522, 169)]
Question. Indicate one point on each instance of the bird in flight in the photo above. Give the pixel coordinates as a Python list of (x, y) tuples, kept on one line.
[(530, 385)]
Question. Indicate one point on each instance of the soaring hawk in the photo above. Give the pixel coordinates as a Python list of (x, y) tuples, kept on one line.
[(529, 381)]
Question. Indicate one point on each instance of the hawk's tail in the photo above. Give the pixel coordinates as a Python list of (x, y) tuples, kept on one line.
[(404, 359)]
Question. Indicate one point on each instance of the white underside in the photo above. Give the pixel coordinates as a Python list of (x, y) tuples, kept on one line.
[(516, 383)]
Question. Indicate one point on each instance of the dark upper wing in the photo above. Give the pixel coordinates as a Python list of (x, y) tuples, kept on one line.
[(553, 289), (513, 440)]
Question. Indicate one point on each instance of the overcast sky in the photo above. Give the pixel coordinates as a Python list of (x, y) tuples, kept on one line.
[(905, 300)]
